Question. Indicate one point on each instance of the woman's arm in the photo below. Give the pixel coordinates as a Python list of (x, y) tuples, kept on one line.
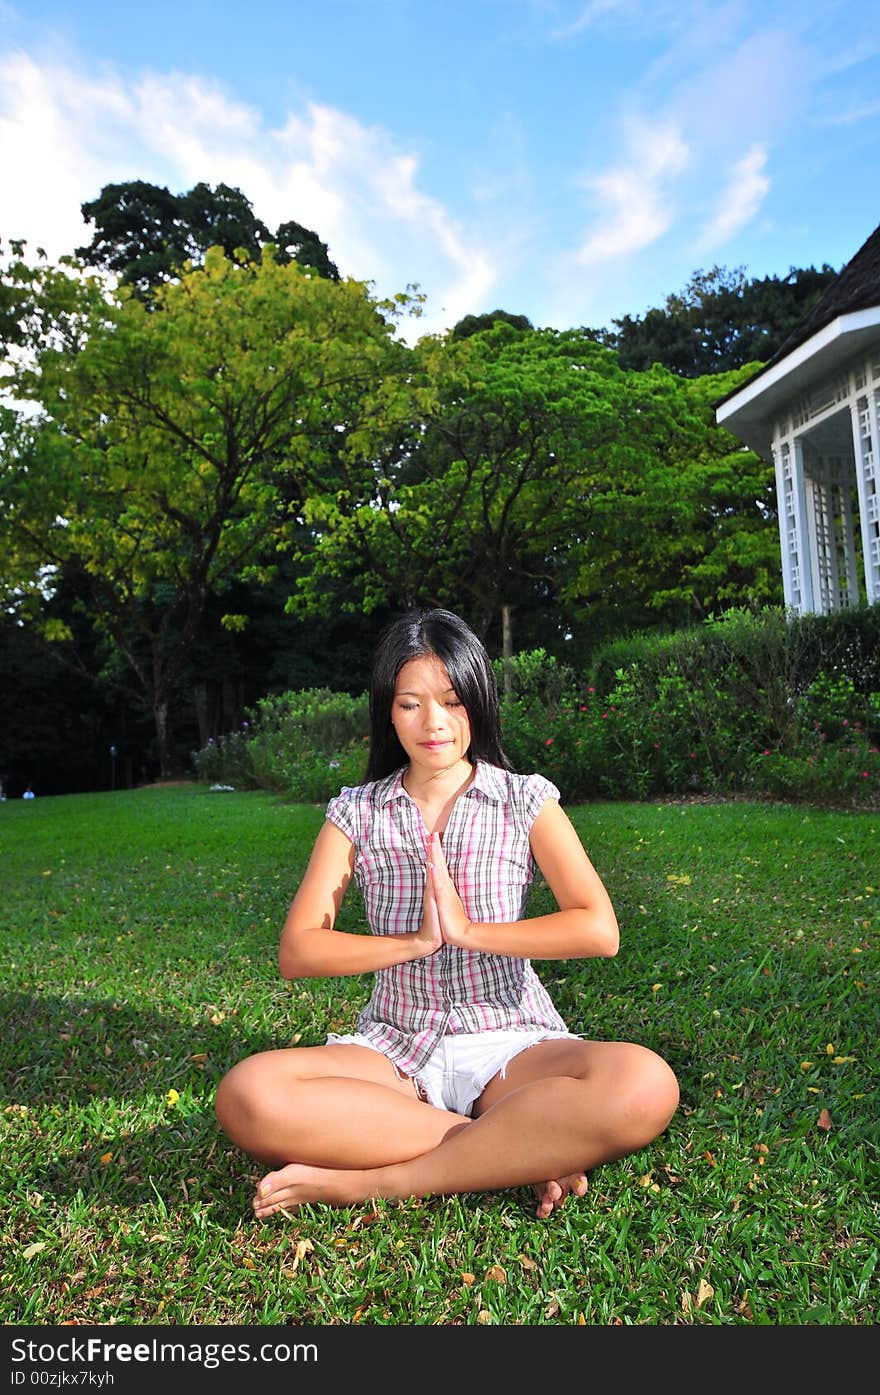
[(585, 926), (310, 947)]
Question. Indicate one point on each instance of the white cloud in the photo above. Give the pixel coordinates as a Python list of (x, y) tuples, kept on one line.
[(740, 201), (64, 135), (634, 204)]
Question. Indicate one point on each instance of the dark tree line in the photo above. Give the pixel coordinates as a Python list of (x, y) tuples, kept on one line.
[(721, 320)]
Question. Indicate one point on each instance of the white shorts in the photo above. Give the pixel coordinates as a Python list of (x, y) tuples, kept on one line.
[(462, 1064)]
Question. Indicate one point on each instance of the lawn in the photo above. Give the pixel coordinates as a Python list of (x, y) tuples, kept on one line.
[(139, 932)]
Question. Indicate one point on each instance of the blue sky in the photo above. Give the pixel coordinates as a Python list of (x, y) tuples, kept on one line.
[(570, 160)]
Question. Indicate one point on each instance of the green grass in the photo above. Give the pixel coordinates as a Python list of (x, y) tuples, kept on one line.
[(139, 933)]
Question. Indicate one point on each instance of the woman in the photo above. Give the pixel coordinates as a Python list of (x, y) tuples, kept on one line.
[(461, 1076)]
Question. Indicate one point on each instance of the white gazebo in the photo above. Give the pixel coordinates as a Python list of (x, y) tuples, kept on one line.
[(814, 411)]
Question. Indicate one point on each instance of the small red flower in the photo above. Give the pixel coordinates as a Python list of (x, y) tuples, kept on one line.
[(549, 741)]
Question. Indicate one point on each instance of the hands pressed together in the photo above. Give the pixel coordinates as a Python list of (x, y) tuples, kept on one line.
[(444, 920)]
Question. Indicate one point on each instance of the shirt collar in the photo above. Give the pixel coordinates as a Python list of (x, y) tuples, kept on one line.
[(488, 780)]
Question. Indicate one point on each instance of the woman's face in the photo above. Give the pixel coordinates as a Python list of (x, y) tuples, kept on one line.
[(430, 720)]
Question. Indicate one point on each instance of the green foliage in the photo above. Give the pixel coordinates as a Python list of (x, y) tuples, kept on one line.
[(475, 324), (739, 705), (537, 474), (173, 448), (730, 707), (148, 236), (304, 744), (721, 320)]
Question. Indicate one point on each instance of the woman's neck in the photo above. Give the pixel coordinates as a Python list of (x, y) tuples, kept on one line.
[(434, 788)]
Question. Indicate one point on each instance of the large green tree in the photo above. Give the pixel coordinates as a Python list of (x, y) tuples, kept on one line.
[(684, 528), (550, 487), (485, 506), (169, 454), (145, 234)]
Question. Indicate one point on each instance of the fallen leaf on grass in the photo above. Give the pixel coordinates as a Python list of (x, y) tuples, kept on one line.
[(468, 1279), (34, 1249), (484, 1316), (497, 1273), (824, 1119), (303, 1247), (368, 1218), (106, 1158), (704, 1293)]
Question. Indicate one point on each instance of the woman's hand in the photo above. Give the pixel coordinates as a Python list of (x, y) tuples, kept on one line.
[(429, 936), (453, 921)]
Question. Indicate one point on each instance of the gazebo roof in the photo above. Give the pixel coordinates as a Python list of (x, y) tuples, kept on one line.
[(845, 316)]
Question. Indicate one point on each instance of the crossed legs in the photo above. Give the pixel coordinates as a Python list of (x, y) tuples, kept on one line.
[(339, 1125)]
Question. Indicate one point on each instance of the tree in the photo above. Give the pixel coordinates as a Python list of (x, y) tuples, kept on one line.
[(689, 529), (146, 234), (172, 452), (485, 506), (475, 324), (719, 322), (549, 484)]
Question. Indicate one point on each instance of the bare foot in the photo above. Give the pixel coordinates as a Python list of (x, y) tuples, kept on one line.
[(296, 1183), (552, 1194)]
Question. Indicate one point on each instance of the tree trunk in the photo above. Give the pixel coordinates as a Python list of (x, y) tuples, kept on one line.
[(507, 647), (163, 742)]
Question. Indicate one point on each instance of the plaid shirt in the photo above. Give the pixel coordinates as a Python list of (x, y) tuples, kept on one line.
[(486, 845)]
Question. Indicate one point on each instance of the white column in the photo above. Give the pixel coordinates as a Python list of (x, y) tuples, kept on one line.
[(800, 521), (866, 432), (782, 464)]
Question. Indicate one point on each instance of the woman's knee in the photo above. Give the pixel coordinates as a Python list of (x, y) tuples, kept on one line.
[(653, 1094), (240, 1098)]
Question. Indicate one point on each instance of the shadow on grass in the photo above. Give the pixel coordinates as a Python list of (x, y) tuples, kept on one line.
[(88, 1059), (173, 1167), (59, 1051)]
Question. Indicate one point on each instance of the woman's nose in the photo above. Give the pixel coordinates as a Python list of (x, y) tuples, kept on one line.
[(434, 715)]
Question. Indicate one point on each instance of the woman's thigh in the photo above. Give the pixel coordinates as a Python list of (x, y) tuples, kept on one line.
[(282, 1068), (602, 1065)]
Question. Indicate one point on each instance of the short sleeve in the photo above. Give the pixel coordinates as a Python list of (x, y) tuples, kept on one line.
[(537, 790), (341, 812)]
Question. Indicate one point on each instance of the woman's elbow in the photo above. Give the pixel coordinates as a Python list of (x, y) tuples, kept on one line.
[(291, 962), (606, 939)]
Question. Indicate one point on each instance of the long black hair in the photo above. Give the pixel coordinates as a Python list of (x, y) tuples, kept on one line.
[(449, 639)]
